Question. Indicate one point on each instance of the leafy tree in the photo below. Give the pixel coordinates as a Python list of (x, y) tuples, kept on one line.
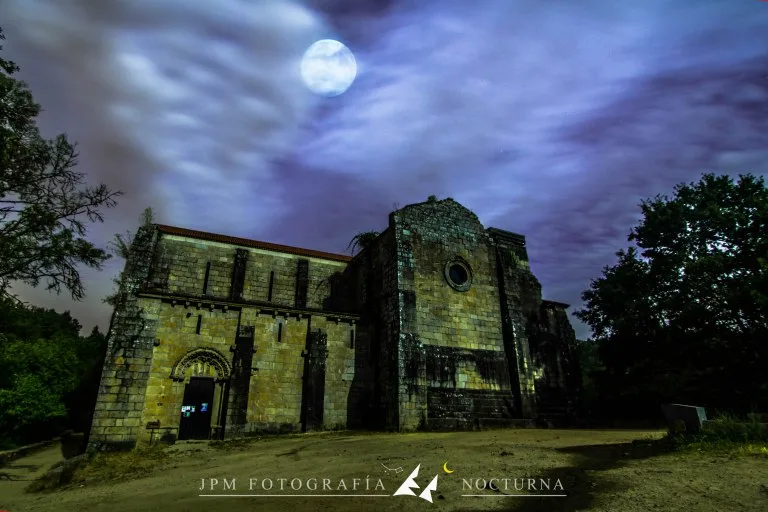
[(38, 366), (590, 365), (49, 374), (683, 314), (44, 204), (90, 352)]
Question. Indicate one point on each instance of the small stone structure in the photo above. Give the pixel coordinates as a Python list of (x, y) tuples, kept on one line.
[(438, 323), (690, 417)]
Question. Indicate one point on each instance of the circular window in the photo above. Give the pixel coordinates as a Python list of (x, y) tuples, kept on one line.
[(458, 275)]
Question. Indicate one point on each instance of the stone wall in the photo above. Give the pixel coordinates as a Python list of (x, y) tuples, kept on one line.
[(177, 310), (177, 335), (275, 395), (520, 299), (454, 327), (438, 323), (201, 270), (433, 235), (340, 371), (269, 276), (274, 398), (556, 369), (370, 285), (131, 339)]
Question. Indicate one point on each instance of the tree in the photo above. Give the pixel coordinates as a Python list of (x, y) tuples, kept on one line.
[(683, 314), (362, 240), (120, 246), (38, 366), (44, 203), (49, 374)]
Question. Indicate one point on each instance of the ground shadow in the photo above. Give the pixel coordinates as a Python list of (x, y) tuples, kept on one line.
[(72, 444), (582, 480), (9, 471)]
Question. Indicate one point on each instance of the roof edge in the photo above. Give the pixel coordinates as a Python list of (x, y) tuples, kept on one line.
[(255, 244), (554, 304)]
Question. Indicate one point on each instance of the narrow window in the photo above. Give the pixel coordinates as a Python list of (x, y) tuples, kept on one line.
[(238, 274), (351, 338), (279, 332), (199, 323), (302, 284), (207, 275), (271, 283)]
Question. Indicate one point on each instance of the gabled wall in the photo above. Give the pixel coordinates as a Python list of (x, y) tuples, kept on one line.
[(452, 367)]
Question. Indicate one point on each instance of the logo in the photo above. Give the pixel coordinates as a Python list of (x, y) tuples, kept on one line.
[(406, 489)]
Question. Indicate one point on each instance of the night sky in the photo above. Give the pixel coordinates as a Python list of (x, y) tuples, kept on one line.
[(550, 118)]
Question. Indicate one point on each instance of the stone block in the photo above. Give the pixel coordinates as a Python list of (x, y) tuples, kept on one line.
[(690, 418)]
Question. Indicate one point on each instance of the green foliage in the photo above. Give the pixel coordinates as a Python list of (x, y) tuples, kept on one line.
[(46, 372), (683, 314), (590, 366), (44, 205), (733, 429), (726, 433), (35, 377)]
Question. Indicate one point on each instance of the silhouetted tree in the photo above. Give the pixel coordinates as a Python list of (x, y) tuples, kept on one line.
[(683, 314), (44, 206), (362, 240)]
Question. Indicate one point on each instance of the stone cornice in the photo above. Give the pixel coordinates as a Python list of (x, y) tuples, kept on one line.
[(507, 236), (202, 302)]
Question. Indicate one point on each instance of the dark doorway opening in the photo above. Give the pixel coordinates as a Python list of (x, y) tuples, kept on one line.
[(313, 396), (196, 409)]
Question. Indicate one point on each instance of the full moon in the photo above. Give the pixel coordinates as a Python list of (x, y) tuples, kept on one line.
[(328, 68)]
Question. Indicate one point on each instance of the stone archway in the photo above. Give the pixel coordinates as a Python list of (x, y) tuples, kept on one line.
[(208, 368), (202, 362)]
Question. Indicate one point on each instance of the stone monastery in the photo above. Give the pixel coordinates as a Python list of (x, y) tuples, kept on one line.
[(438, 323)]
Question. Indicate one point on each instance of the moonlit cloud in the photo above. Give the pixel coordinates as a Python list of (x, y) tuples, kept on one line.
[(553, 119)]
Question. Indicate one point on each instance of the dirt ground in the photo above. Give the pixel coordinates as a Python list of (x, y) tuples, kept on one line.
[(597, 470)]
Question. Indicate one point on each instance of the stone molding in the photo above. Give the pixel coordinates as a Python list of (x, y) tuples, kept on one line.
[(208, 359)]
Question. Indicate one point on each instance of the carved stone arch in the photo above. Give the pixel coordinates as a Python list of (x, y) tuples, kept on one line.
[(202, 362)]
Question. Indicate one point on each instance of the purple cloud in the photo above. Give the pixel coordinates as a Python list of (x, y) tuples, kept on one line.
[(551, 119)]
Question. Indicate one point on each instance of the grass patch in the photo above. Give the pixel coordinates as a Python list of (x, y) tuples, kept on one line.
[(725, 434), (244, 442), (234, 444), (114, 466)]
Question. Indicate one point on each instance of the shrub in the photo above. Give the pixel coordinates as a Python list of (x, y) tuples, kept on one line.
[(724, 433)]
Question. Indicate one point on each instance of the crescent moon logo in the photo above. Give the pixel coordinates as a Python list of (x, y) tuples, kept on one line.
[(445, 468)]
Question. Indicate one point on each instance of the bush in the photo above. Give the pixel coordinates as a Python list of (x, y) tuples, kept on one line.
[(725, 433), (734, 430)]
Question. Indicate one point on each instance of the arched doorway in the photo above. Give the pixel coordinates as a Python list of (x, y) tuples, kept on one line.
[(205, 373)]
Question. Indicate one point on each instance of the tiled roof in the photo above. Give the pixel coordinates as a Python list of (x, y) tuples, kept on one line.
[(245, 242)]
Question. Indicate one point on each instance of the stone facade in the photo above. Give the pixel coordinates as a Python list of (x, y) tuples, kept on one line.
[(438, 323)]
